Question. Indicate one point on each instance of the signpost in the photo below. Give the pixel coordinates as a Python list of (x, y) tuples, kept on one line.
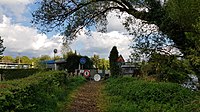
[(97, 77), (82, 61)]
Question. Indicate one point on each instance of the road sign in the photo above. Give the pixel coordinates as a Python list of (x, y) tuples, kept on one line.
[(82, 61), (55, 50), (97, 77), (86, 73)]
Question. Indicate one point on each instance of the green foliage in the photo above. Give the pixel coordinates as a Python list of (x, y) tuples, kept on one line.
[(7, 59), (96, 60), (2, 48), (104, 64), (10, 74), (100, 63), (73, 62), (132, 95), (173, 20), (44, 58), (23, 59), (167, 68), (184, 12), (38, 93), (114, 67)]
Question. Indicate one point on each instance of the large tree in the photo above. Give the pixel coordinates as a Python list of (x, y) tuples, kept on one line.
[(114, 67), (176, 19), (70, 16)]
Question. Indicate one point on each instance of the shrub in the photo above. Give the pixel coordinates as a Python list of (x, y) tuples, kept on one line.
[(10, 74), (167, 68), (37, 93)]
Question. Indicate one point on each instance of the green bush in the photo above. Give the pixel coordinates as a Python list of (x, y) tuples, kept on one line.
[(167, 68), (10, 74), (131, 95), (38, 93)]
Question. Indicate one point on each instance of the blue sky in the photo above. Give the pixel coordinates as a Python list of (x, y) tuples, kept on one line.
[(22, 39)]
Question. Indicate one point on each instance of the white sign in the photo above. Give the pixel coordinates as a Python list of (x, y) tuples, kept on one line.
[(97, 77)]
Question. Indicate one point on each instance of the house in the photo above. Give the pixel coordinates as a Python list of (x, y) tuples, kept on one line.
[(120, 59), (9, 65), (126, 67), (129, 69), (54, 64)]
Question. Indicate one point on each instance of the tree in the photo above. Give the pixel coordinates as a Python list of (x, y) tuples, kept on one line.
[(8, 59), (96, 60), (2, 48), (57, 57), (186, 14), (73, 62), (100, 63), (36, 62), (104, 64), (44, 58), (24, 59), (70, 16), (65, 49), (170, 16), (167, 68), (114, 68)]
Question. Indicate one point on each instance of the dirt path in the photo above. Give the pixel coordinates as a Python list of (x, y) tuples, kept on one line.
[(86, 98)]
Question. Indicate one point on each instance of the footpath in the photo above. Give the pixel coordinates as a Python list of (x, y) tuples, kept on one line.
[(87, 98)]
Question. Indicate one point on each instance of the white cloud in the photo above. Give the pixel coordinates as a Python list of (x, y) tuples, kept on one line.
[(26, 40), (115, 23), (15, 1), (102, 43), (15, 8)]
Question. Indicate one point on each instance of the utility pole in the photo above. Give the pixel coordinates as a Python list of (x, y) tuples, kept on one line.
[(19, 61), (19, 58), (55, 51)]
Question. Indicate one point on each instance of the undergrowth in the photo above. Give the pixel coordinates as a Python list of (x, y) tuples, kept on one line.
[(128, 94)]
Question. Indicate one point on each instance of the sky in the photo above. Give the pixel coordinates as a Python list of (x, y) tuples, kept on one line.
[(20, 39)]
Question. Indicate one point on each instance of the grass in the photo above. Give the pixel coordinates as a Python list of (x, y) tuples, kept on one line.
[(129, 94)]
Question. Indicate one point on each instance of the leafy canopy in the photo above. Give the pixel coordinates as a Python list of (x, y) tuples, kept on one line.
[(70, 16), (2, 48), (177, 20)]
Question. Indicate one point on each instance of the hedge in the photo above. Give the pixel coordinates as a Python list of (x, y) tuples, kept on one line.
[(38, 93), (10, 74)]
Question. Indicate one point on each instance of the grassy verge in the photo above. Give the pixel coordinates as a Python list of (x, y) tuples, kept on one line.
[(132, 95), (42, 92)]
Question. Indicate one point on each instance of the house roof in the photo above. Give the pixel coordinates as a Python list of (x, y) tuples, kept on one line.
[(120, 59), (54, 61), (48, 62)]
